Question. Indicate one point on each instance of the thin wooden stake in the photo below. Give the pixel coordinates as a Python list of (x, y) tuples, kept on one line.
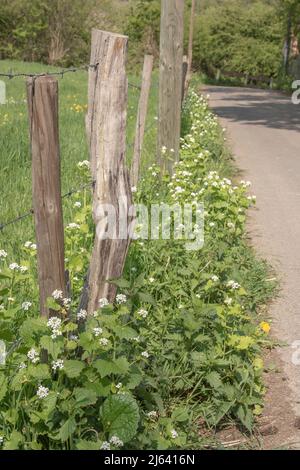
[(106, 130), (170, 82), (141, 118), (42, 95), (190, 48)]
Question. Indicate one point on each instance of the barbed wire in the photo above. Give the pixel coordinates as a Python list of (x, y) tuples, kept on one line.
[(69, 193), (58, 73)]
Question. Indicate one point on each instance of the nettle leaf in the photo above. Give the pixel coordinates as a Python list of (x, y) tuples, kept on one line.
[(54, 348), (52, 304), (120, 416), (3, 386), (88, 445), (31, 328), (125, 332), (106, 367), (245, 416), (123, 283), (14, 441), (85, 397), (214, 380), (73, 368), (148, 298), (67, 429), (180, 415), (39, 371)]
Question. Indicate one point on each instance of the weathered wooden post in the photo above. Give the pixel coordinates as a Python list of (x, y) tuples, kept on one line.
[(42, 95), (141, 118), (170, 81), (106, 130), (190, 48)]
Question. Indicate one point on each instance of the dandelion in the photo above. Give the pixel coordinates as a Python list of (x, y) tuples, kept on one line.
[(105, 446), (57, 294), (33, 355), (174, 434), (82, 314), (115, 441), (265, 327), (42, 392), (103, 302), (142, 313), (103, 342), (59, 364), (145, 354), (121, 299), (26, 305), (3, 254), (97, 331)]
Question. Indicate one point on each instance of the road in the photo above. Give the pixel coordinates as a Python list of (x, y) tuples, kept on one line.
[(264, 134)]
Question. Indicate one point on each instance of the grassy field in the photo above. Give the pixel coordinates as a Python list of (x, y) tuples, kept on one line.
[(15, 174)]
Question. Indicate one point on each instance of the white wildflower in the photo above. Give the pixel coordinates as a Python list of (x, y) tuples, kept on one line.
[(152, 414), (14, 266), (115, 441), (105, 446), (174, 434), (103, 342), (59, 364), (233, 285), (33, 355), (121, 299), (57, 294), (228, 301), (3, 254), (84, 164), (119, 385), (82, 314), (98, 331), (73, 226), (142, 313), (23, 269), (26, 305), (42, 392), (103, 302), (133, 189), (22, 366), (77, 204), (54, 323), (214, 278), (145, 354)]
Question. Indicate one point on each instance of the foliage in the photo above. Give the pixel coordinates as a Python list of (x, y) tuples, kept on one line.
[(237, 37), (181, 343)]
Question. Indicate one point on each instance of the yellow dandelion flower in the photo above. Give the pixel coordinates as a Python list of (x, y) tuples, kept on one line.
[(265, 326)]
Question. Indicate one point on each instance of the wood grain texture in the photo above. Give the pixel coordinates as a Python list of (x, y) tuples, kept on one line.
[(106, 130), (170, 80), (42, 95), (141, 118)]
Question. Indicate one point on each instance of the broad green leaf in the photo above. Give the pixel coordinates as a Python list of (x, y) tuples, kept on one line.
[(3, 386), (39, 371), (73, 368), (120, 416), (54, 347), (84, 397), (67, 429), (88, 445), (214, 380), (14, 441)]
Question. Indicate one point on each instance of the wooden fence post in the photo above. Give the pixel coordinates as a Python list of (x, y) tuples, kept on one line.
[(184, 72), (170, 81), (106, 130), (141, 118), (42, 95), (190, 48)]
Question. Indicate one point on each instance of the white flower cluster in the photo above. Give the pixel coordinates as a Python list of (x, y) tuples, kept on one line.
[(57, 294), (142, 313), (233, 285), (73, 226), (3, 254), (103, 302), (42, 392), (16, 267), (174, 434), (55, 324), (114, 441), (121, 299), (145, 354), (33, 355), (152, 414), (26, 305), (82, 314), (30, 245), (214, 278), (77, 204), (59, 364), (84, 164), (97, 331), (103, 342)]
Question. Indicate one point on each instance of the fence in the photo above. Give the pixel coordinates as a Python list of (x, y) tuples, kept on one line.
[(111, 180)]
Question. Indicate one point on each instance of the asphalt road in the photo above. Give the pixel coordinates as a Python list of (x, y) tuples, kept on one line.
[(264, 134)]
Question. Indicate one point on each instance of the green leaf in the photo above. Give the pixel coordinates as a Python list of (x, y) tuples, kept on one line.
[(52, 304), (88, 445), (245, 416), (214, 380), (120, 416), (39, 371), (118, 366), (180, 414), (67, 429), (148, 298), (3, 386), (31, 328), (54, 348), (125, 332), (14, 441), (85, 397), (73, 368)]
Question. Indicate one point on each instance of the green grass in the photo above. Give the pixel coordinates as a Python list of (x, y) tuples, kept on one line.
[(15, 160)]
